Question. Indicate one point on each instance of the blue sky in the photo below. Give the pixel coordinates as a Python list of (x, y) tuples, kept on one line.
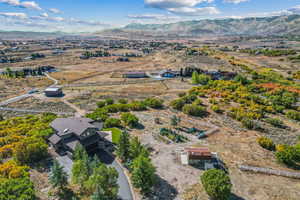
[(93, 15)]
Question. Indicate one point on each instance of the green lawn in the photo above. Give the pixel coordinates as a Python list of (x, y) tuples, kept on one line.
[(115, 134)]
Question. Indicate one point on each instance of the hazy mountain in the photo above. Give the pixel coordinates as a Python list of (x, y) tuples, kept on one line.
[(277, 25)]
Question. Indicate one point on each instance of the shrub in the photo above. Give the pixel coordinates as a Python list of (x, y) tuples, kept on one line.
[(217, 184), (189, 98), (182, 94), (204, 79), (198, 102), (194, 110), (109, 101), (137, 106), (123, 101), (101, 104), (249, 123), (291, 114), (216, 109), (154, 103), (289, 156), (177, 104), (130, 120), (112, 122), (266, 143), (275, 122)]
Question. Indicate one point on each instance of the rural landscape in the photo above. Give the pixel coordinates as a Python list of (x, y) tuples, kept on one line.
[(189, 110)]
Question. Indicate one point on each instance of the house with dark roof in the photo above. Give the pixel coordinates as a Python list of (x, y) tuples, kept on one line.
[(69, 132)]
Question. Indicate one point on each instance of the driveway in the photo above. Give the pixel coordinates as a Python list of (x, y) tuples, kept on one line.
[(124, 187)]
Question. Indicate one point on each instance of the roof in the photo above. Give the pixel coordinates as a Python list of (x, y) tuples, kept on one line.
[(72, 143), (201, 152), (54, 139), (52, 89), (75, 125)]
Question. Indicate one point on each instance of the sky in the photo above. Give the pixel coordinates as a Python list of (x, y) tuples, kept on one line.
[(96, 15)]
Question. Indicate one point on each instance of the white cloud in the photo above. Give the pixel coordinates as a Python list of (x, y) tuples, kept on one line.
[(163, 4), (55, 10), (23, 4), (295, 10), (154, 17), (14, 15), (193, 11), (235, 1)]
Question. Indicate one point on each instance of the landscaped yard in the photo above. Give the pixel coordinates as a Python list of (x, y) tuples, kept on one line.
[(115, 134)]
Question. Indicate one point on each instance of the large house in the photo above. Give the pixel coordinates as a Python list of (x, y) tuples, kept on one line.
[(69, 132)]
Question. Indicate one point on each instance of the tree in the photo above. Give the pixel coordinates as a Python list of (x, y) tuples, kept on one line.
[(136, 149), (289, 156), (80, 173), (1, 117), (143, 174), (80, 153), (109, 101), (58, 177), (130, 120), (217, 184), (101, 104), (123, 147), (104, 183)]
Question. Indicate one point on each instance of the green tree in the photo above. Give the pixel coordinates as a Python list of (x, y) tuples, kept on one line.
[(217, 184), (143, 174), (79, 153), (1, 117), (130, 120), (80, 173), (123, 147), (154, 103), (289, 156), (109, 101), (204, 79), (104, 183), (101, 104), (58, 177), (177, 104), (137, 148)]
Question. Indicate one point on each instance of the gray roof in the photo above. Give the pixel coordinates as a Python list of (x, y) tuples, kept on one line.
[(54, 139), (75, 125)]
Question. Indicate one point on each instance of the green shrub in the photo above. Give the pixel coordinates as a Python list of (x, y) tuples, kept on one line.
[(154, 103), (123, 101), (130, 120), (216, 109), (289, 156), (198, 102), (266, 143), (292, 114), (137, 106), (109, 101), (101, 104), (204, 79), (194, 110), (177, 104), (249, 123), (112, 123), (275, 122), (217, 184)]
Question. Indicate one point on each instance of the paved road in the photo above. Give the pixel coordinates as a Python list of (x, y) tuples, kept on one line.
[(124, 187), (14, 99)]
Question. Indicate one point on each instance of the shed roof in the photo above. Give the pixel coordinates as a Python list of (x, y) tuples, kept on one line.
[(54, 139)]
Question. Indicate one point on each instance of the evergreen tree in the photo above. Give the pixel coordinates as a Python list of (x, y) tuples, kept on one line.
[(80, 173), (123, 147), (104, 183), (79, 153), (136, 149), (58, 177), (143, 174)]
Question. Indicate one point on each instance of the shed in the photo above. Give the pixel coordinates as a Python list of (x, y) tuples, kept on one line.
[(53, 92), (134, 75)]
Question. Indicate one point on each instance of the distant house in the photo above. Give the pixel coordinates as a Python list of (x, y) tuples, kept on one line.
[(53, 91), (169, 73), (135, 75), (69, 132), (201, 157)]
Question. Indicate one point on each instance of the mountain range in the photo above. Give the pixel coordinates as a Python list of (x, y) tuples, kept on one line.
[(275, 25)]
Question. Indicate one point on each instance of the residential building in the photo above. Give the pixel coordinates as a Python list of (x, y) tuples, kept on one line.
[(69, 132)]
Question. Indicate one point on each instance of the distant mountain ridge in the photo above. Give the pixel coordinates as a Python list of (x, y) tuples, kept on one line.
[(276, 25)]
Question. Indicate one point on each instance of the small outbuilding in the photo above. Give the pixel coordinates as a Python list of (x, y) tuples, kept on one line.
[(54, 91), (135, 75)]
